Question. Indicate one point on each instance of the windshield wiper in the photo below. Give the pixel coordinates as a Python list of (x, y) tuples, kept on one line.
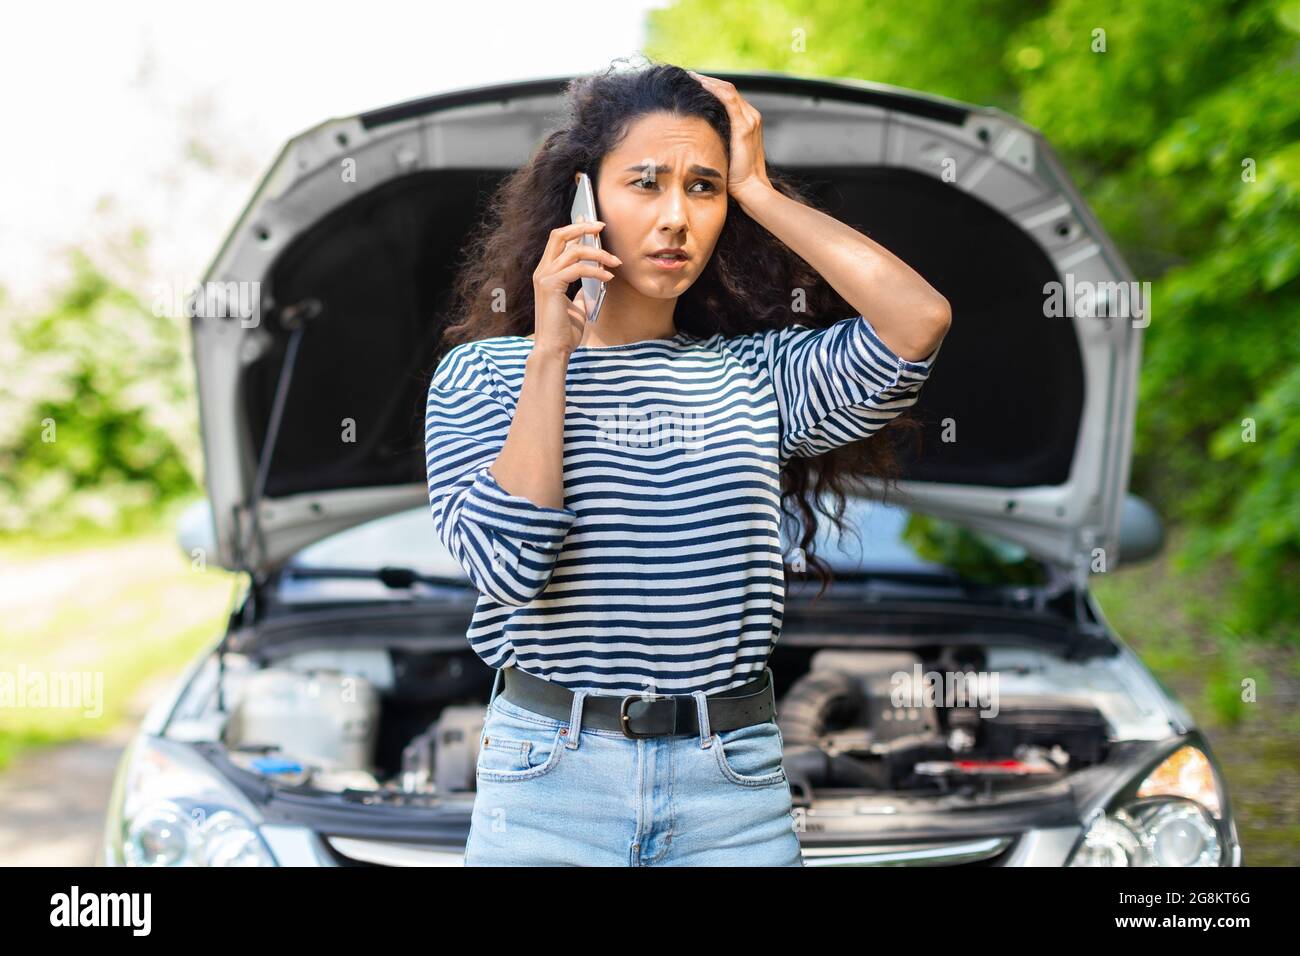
[(398, 578), (903, 582)]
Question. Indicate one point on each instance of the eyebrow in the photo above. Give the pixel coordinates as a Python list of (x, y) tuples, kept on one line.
[(698, 170)]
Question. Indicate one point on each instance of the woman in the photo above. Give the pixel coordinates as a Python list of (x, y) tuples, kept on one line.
[(615, 490)]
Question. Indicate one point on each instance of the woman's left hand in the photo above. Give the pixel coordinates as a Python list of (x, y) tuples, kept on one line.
[(748, 169)]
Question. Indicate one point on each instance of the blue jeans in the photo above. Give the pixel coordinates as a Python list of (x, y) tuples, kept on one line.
[(555, 793)]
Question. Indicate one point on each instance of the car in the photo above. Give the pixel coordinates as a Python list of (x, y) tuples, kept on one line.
[(959, 706)]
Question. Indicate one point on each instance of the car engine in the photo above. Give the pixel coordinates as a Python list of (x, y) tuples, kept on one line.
[(845, 726), (404, 726)]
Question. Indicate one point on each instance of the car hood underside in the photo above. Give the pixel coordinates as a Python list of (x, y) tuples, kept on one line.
[(1027, 419)]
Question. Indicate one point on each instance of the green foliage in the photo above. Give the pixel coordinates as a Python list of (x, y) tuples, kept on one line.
[(1181, 124), (97, 423), (1223, 680), (934, 46)]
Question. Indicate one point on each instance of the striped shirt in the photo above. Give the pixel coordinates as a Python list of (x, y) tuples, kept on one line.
[(663, 572)]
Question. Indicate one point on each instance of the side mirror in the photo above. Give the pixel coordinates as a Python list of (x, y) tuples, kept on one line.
[(195, 531), (1141, 533)]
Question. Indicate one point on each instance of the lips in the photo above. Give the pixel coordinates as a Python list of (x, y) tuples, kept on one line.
[(668, 262), (669, 257)]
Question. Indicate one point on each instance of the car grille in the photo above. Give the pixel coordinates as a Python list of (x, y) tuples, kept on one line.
[(984, 851)]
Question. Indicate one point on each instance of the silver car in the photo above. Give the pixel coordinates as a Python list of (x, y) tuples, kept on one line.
[(932, 716)]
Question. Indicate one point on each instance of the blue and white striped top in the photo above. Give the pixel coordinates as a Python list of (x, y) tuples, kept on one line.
[(663, 571)]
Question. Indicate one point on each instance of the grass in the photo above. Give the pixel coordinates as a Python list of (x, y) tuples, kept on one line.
[(111, 613)]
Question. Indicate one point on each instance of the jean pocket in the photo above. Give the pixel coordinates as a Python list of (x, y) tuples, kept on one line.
[(514, 747), (751, 756)]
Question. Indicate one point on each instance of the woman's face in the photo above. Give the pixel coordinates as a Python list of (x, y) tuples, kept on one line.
[(664, 185)]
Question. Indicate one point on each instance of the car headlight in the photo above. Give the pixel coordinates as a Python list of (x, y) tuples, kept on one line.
[(170, 809), (1174, 819), (1185, 773)]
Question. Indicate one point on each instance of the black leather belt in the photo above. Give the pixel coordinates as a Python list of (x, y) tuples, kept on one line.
[(645, 715)]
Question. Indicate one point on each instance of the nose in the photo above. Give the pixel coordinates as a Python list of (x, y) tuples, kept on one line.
[(672, 211)]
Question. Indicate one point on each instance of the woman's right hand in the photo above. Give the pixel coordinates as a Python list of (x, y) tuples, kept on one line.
[(560, 323)]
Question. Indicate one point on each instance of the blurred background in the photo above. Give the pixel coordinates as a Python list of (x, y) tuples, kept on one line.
[(136, 138)]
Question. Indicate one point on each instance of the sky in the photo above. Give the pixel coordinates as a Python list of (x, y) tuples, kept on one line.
[(164, 116)]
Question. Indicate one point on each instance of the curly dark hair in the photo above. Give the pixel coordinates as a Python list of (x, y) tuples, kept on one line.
[(745, 286)]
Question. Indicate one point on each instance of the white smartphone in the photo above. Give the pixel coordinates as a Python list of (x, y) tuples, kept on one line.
[(584, 210)]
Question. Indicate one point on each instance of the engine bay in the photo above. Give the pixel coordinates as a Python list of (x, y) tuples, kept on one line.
[(401, 726), (889, 721)]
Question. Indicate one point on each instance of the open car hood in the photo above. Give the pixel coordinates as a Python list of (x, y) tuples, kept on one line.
[(356, 229)]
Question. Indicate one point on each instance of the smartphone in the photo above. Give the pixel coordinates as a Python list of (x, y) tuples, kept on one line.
[(584, 210)]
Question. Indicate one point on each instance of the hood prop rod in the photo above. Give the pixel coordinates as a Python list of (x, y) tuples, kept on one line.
[(1085, 626), (292, 318)]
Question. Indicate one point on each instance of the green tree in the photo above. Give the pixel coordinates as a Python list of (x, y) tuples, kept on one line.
[(97, 423), (1181, 125)]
